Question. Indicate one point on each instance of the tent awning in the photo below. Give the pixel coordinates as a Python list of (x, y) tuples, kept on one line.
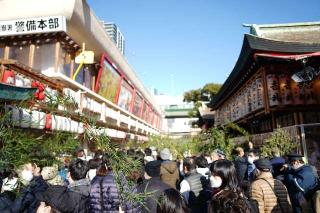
[(14, 93)]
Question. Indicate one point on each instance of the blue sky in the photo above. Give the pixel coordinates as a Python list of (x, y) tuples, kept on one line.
[(178, 45)]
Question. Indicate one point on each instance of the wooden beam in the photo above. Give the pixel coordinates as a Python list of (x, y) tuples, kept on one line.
[(265, 91)]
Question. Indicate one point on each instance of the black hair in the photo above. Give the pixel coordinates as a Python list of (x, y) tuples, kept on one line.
[(228, 202), (171, 201), (130, 152), (78, 169), (254, 151), (188, 162), (148, 152), (201, 162), (225, 169), (94, 163)]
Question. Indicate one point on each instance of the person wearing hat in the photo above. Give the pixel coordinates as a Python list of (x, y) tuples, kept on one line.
[(301, 182), (152, 184), (169, 172), (270, 194)]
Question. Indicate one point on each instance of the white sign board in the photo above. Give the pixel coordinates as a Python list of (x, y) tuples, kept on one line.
[(33, 25)]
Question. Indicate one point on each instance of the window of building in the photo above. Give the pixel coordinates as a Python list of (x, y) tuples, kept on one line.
[(20, 53), (44, 57)]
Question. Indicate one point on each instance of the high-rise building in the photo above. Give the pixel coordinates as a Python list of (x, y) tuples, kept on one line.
[(115, 35)]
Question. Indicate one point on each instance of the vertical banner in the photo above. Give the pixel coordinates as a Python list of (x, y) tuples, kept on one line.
[(260, 102), (285, 89), (310, 97), (297, 93), (254, 95), (273, 90)]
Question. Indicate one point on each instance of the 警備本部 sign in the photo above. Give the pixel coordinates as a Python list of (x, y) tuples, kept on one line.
[(33, 25)]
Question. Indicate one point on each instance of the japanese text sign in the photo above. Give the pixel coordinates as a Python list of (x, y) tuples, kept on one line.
[(33, 25)]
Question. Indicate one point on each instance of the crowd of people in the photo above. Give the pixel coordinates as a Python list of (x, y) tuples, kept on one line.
[(207, 183)]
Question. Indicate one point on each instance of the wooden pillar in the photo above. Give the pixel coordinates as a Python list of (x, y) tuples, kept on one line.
[(31, 55), (72, 63), (296, 118), (93, 82), (274, 124), (6, 52), (56, 56), (301, 118)]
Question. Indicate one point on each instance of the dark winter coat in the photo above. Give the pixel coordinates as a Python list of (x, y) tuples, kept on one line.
[(156, 186), (74, 198), (277, 164), (200, 192), (301, 184), (6, 200), (104, 196), (27, 202), (241, 165), (169, 173)]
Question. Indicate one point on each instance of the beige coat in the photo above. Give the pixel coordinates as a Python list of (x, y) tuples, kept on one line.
[(169, 173), (264, 195)]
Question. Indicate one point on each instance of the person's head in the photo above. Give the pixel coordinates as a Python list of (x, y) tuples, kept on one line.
[(295, 160), (208, 157), (171, 201), (165, 154), (188, 165), (131, 152), (201, 162), (217, 154), (223, 175), (152, 169), (99, 165), (148, 152), (253, 155), (80, 153), (77, 170), (239, 151), (228, 202), (262, 165), (29, 170)]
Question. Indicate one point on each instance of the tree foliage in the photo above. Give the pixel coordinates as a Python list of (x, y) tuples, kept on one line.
[(279, 143), (205, 142), (205, 93)]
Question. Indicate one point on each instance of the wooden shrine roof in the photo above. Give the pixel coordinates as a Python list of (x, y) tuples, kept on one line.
[(246, 65)]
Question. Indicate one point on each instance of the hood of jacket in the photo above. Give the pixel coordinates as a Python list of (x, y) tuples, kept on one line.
[(81, 186), (169, 166)]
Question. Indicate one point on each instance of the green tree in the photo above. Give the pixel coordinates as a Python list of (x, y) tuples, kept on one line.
[(205, 93), (279, 143)]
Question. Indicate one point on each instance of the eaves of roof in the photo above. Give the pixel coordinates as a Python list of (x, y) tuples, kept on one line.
[(246, 65)]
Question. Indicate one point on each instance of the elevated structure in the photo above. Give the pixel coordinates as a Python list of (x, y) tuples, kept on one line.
[(39, 42), (260, 93), (177, 121)]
